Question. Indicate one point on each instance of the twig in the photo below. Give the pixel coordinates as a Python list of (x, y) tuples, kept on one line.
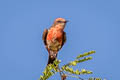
[(75, 76), (63, 76)]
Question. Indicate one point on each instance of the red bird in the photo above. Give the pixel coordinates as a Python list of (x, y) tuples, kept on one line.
[(54, 38)]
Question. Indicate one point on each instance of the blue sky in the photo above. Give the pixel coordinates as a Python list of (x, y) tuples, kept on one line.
[(93, 25)]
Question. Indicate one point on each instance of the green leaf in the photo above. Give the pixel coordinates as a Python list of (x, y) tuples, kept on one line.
[(85, 54)]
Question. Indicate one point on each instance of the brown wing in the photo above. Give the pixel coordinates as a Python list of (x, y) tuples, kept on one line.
[(44, 36), (64, 38)]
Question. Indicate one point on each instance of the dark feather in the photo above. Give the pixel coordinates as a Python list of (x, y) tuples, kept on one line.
[(52, 57), (64, 39), (44, 36)]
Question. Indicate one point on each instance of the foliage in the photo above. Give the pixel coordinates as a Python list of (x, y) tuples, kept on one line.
[(67, 70)]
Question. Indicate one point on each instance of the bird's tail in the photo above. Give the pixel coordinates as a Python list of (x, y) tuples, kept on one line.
[(52, 57)]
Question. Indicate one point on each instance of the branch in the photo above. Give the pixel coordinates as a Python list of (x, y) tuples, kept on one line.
[(52, 69)]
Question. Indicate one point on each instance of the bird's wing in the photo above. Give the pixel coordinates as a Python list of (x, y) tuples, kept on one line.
[(44, 36), (64, 38)]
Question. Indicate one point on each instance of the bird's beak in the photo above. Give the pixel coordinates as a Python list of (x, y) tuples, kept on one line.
[(66, 21)]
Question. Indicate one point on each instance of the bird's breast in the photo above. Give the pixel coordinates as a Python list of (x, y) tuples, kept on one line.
[(54, 39), (54, 34)]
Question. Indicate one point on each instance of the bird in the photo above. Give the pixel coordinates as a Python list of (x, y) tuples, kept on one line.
[(54, 38)]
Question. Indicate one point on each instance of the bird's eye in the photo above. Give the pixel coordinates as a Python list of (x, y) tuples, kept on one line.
[(59, 21)]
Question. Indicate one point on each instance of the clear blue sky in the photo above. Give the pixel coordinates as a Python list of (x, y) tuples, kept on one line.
[(94, 25)]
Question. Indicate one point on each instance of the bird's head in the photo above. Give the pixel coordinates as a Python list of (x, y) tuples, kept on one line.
[(60, 22)]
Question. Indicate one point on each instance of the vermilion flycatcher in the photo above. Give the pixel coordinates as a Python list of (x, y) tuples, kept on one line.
[(54, 38)]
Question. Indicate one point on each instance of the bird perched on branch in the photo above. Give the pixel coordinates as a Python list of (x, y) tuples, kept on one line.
[(54, 38)]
